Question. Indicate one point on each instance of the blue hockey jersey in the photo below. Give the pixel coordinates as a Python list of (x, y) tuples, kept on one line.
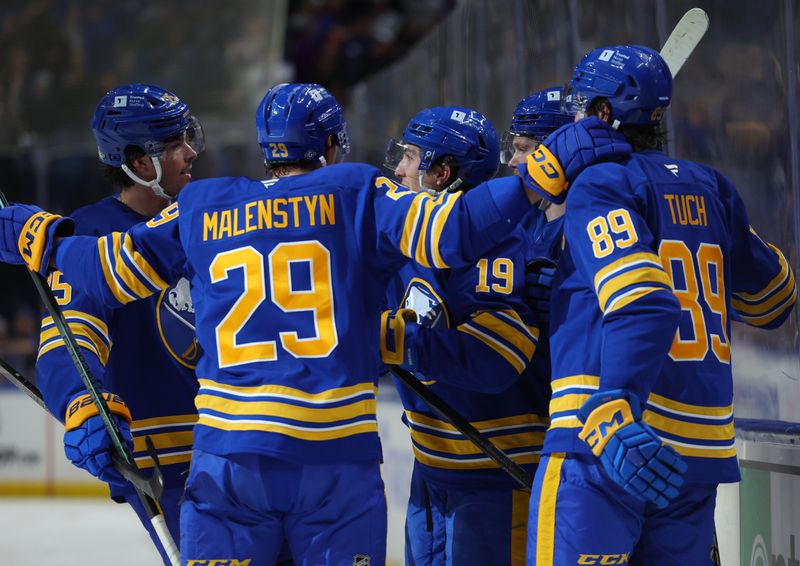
[(476, 341), (288, 278), (659, 256), (145, 353)]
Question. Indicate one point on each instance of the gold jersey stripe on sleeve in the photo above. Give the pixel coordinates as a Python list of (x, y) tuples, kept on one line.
[(124, 273), (116, 289), (631, 296), (645, 258), (411, 224), (776, 281), (438, 225), (640, 276), (145, 269)]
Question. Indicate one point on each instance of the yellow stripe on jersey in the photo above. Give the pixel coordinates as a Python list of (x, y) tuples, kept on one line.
[(173, 420), (421, 253), (628, 298), (698, 411), (509, 326), (111, 281), (581, 381), (327, 396), (479, 462), (702, 451), (767, 318), (774, 283), (79, 315), (568, 402), (92, 340), (144, 267), (488, 425), (410, 226), (438, 225), (286, 410), (165, 460), (164, 440), (464, 447), (302, 433), (639, 277), (125, 273), (645, 258), (689, 431)]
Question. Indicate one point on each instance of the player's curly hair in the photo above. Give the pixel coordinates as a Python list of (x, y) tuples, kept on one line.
[(640, 136), (115, 175)]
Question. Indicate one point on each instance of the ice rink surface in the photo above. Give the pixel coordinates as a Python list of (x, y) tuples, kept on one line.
[(72, 532)]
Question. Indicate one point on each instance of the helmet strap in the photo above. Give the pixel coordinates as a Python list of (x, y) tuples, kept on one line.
[(154, 184)]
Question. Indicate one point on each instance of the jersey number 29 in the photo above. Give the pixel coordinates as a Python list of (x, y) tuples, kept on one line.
[(317, 299)]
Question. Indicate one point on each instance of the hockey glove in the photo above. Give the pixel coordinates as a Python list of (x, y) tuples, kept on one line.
[(539, 275), (630, 451), (28, 235), (87, 443), (569, 150), (397, 338)]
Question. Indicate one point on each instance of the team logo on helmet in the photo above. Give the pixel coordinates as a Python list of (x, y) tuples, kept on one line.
[(171, 98)]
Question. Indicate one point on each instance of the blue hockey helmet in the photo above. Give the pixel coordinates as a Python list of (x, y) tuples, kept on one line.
[(635, 79), (144, 116), (294, 121), (536, 117), (464, 134)]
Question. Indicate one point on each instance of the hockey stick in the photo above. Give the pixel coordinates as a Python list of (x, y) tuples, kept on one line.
[(685, 36), (148, 489), (464, 427)]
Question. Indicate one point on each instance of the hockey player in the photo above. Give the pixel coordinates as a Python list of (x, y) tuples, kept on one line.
[(659, 256), (146, 352), (473, 336), (288, 277), (535, 117)]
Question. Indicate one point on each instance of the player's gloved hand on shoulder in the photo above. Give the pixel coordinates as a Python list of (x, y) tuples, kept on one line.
[(398, 328), (28, 235), (87, 443), (569, 150), (539, 275), (630, 451)]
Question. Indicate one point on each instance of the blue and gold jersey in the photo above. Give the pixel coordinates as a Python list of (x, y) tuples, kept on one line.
[(145, 352), (476, 341), (659, 257), (288, 278)]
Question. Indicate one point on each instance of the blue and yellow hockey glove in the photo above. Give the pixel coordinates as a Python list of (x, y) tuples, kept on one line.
[(566, 152), (397, 338), (28, 235), (630, 451), (539, 275), (87, 444)]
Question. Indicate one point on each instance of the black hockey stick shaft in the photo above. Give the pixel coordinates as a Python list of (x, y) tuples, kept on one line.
[(446, 412), (122, 456)]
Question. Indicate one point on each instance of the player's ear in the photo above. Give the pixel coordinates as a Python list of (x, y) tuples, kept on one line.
[(442, 172), (141, 165)]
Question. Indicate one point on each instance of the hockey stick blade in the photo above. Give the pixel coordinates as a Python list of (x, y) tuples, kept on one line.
[(684, 38)]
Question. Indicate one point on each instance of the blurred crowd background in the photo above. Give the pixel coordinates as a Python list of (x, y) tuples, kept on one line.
[(734, 107)]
